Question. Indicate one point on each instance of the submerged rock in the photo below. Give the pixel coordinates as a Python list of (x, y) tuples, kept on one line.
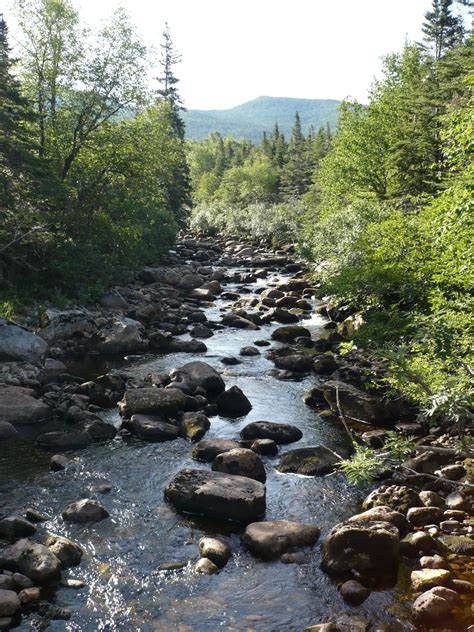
[(353, 592), (241, 462), (272, 538), (316, 461), (7, 430), (218, 495), (279, 433)]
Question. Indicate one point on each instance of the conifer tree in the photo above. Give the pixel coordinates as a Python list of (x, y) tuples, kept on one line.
[(296, 174), (169, 91), (442, 30)]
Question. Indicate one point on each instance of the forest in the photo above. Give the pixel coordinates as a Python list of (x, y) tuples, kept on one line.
[(96, 179)]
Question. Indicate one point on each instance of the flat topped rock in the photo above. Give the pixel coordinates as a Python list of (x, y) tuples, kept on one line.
[(153, 429), (18, 406), (155, 401), (290, 333), (316, 461), (279, 433), (272, 538), (208, 450), (199, 374), (217, 495), (241, 462)]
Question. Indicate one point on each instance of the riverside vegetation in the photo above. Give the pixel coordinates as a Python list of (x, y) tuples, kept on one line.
[(365, 231)]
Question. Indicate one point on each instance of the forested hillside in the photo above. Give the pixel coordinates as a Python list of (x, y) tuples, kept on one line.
[(84, 190), (249, 120)]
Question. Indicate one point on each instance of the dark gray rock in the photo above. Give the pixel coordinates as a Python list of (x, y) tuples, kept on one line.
[(316, 461), (198, 374), (272, 538), (299, 363), (279, 433), (70, 440), (241, 462), (208, 450), (290, 333), (15, 527), (194, 426), (20, 345), (266, 447), (7, 430), (233, 403), (153, 429), (85, 510), (18, 406), (218, 495), (357, 404), (397, 497), (155, 401), (353, 592)]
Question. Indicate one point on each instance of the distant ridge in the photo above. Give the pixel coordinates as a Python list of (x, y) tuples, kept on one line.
[(251, 119)]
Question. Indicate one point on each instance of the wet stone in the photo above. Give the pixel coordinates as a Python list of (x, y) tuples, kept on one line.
[(281, 434), (208, 449), (316, 461), (353, 592), (85, 510), (205, 567), (270, 539), (215, 550), (241, 462), (266, 447)]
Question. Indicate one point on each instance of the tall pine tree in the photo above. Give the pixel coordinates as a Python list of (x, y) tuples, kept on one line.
[(296, 174), (168, 80), (442, 30)]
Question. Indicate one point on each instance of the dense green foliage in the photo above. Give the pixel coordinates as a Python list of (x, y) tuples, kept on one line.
[(249, 120), (94, 177)]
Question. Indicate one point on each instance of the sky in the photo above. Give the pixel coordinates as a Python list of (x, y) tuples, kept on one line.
[(236, 50)]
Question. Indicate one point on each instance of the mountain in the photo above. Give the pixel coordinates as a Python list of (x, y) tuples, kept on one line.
[(250, 119)]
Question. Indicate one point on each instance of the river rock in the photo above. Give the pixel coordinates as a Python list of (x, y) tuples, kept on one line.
[(217, 495), (208, 450), (121, 336), (215, 550), (290, 333), (187, 346), (383, 514), (314, 397), (431, 499), (7, 430), (9, 603), (205, 566), (98, 429), (166, 401), (457, 501), (458, 544), (70, 440), (421, 516), (194, 426), (429, 578), (190, 282), (434, 605), (15, 527), (233, 403), (66, 325), (241, 462), (270, 539), (282, 315), (201, 331), (325, 364), (279, 433), (18, 406), (249, 351), (58, 462), (353, 592), (114, 301), (20, 345), (267, 447), (369, 548), (356, 404), (85, 510), (299, 363), (152, 429), (37, 562), (397, 497), (316, 461), (198, 374), (416, 543), (233, 320), (68, 552)]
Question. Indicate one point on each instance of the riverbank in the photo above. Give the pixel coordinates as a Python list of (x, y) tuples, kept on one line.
[(258, 339)]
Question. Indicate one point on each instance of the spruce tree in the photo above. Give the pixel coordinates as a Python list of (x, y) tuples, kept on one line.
[(169, 91), (296, 174), (442, 30)]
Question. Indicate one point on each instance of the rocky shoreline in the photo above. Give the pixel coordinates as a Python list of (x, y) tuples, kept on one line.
[(419, 514)]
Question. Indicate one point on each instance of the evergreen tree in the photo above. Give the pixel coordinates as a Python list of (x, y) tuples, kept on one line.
[(442, 30), (169, 91), (296, 174), (19, 163)]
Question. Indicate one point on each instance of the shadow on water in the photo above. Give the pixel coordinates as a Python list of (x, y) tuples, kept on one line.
[(125, 588)]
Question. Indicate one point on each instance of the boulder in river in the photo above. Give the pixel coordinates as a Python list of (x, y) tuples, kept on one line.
[(241, 462), (397, 497), (187, 346), (85, 510), (316, 461), (167, 401), (68, 552), (18, 406), (267, 447), (384, 514), (233, 320), (435, 605), (122, 335), (68, 440), (20, 345), (233, 403), (371, 549), (198, 374), (15, 527), (217, 495), (7, 430), (194, 425), (279, 433), (208, 449), (9, 605), (34, 560), (298, 362), (98, 429), (290, 333), (272, 538), (152, 429), (214, 550)]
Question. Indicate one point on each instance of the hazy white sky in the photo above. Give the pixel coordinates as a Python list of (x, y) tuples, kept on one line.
[(236, 50)]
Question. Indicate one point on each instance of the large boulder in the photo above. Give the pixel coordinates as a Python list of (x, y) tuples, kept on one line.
[(15, 527), (271, 539), (32, 559), (157, 401), (208, 450), (279, 433), (316, 461), (368, 549), (241, 462), (381, 513), (217, 495), (233, 320), (123, 335), (356, 404), (68, 552), (190, 282), (98, 429), (85, 510), (20, 345), (298, 362), (18, 406), (68, 440), (233, 403), (290, 333), (435, 606), (67, 324), (397, 497), (198, 374), (153, 429)]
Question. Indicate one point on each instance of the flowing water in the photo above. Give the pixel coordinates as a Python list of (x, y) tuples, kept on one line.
[(125, 588)]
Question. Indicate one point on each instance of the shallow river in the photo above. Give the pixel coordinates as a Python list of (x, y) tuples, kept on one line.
[(125, 588)]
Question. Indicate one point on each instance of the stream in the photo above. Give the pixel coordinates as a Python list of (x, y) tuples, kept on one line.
[(126, 590)]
